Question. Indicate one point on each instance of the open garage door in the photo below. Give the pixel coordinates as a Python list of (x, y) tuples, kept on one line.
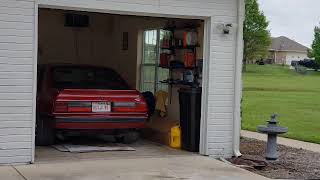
[(115, 79)]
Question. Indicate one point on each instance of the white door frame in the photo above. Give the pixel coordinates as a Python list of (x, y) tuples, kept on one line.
[(206, 54)]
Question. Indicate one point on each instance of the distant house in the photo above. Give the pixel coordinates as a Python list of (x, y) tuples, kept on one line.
[(284, 50)]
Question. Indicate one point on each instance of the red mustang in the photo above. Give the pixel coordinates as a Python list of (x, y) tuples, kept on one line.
[(78, 98)]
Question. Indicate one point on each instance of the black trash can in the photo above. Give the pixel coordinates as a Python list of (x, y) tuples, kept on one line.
[(190, 114)]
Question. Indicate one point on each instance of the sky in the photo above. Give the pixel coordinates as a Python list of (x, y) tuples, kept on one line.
[(295, 19)]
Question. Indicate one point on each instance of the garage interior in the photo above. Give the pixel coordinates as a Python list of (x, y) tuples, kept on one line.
[(138, 48)]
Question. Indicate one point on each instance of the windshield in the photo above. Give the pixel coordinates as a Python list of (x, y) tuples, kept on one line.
[(87, 78)]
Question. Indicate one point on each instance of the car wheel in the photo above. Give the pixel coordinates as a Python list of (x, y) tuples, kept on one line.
[(45, 133), (130, 137)]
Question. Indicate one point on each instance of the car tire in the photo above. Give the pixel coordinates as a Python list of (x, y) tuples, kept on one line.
[(130, 137), (45, 133)]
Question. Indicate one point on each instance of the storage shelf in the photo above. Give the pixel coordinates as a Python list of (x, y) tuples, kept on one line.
[(178, 68), (191, 47), (178, 83)]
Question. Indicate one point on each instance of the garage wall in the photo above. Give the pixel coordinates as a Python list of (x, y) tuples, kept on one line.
[(16, 80), (16, 58), (128, 61), (60, 44), (99, 44)]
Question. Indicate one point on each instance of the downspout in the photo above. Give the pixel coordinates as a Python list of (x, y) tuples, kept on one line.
[(238, 80)]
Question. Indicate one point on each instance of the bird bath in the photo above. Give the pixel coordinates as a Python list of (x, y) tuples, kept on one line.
[(272, 130)]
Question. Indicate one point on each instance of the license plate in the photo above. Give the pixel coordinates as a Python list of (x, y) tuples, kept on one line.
[(101, 107)]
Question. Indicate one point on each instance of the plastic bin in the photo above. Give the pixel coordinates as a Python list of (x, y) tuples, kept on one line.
[(190, 115)]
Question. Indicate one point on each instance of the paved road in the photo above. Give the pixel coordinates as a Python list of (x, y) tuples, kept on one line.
[(188, 167)]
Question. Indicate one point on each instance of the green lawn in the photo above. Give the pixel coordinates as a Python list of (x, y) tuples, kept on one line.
[(277, 89)]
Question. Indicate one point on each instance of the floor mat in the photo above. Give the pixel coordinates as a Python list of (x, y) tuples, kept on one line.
[(74, 148)]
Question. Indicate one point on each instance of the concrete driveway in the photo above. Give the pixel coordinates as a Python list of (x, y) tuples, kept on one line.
[(187, 167)]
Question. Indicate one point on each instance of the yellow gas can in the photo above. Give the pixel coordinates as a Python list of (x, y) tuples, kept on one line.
[(175, 137)]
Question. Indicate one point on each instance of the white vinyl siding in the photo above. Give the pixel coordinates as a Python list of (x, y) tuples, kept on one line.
[(16, 80), (17, 40)]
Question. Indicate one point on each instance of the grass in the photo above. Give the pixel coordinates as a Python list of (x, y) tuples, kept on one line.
[(294, 97)]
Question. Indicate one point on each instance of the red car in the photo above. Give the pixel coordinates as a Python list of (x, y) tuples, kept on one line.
[(89, 99)]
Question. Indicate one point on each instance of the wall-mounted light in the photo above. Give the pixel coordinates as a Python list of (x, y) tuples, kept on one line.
[(227, 28)]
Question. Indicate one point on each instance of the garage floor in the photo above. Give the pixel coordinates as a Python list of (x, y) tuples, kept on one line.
[(144, 149)]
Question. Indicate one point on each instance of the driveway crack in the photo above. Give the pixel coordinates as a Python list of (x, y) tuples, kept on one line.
[(19, 172)]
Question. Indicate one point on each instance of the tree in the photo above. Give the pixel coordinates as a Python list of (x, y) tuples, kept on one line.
[(255, 33), (310, 53), (315, 51)]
